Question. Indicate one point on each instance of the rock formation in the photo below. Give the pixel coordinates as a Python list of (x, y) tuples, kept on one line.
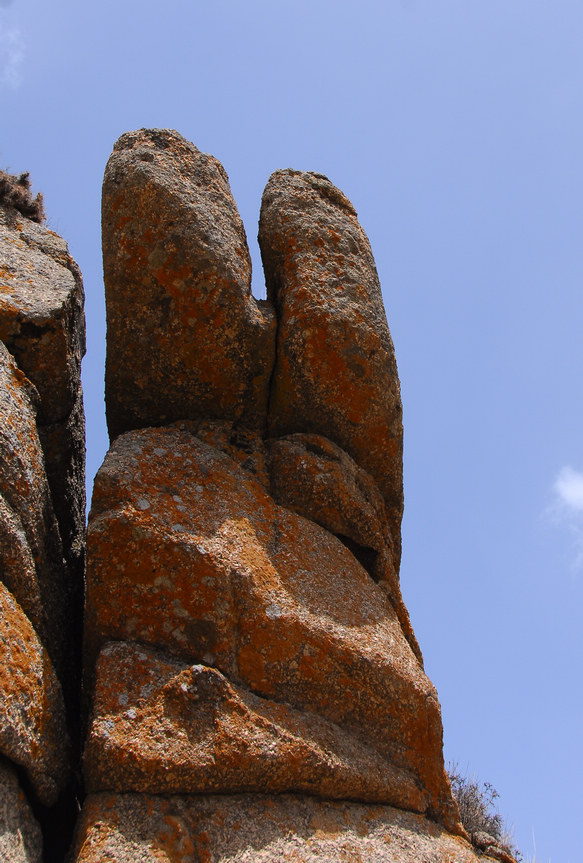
[(20, 835), (42, 531), (253, 688), (185, 337), (336, 373)]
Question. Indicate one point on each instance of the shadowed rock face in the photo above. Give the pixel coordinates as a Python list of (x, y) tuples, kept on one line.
[(43, 326), (42, 528), (31, 554), (245, 630)]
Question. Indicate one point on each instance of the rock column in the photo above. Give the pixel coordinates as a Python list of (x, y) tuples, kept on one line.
[(245, 632)]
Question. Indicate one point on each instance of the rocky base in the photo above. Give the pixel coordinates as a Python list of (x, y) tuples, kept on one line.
[(134, 828)]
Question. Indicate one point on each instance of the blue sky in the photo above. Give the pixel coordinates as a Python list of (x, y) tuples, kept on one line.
[(455, 127)]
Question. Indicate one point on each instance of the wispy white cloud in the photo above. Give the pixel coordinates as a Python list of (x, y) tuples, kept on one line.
[(11, 56), (567, 506), (568, 488)]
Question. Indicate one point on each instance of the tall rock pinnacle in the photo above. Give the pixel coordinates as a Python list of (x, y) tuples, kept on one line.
[(253, 687), (336, 372), (185, 337), (256, 531)]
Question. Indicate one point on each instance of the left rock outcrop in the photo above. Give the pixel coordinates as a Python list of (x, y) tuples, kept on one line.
[(42, 515)]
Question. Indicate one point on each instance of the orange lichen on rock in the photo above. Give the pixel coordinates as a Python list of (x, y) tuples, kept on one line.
[(251, 674), (320, 481), (138, 828), (31, 555), (336, 373), (185, 337), (188, 552), (33, 733), (245, 629), (42, 325), (42, 533), (161, 726)]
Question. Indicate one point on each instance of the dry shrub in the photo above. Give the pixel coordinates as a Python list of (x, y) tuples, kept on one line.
[(478, 812), (15, 192)]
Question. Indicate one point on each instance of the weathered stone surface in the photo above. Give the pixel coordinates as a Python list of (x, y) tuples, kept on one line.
[(31, 553), (161, 726), (315, 478), (43, 326), (133, 828), (491, 847), (41, 312), (244, 447), (335, 373), (245, 629), (32, 715), (20, 836), (17, 564), (63, 446), (187, 551), (185, 337), (318, 480)]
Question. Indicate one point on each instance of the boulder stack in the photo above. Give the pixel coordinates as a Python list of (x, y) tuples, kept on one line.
[(245, 631), (252, 685)]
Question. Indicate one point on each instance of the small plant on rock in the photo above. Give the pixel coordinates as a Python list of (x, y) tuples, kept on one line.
[(15, 192), (478, 813)]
